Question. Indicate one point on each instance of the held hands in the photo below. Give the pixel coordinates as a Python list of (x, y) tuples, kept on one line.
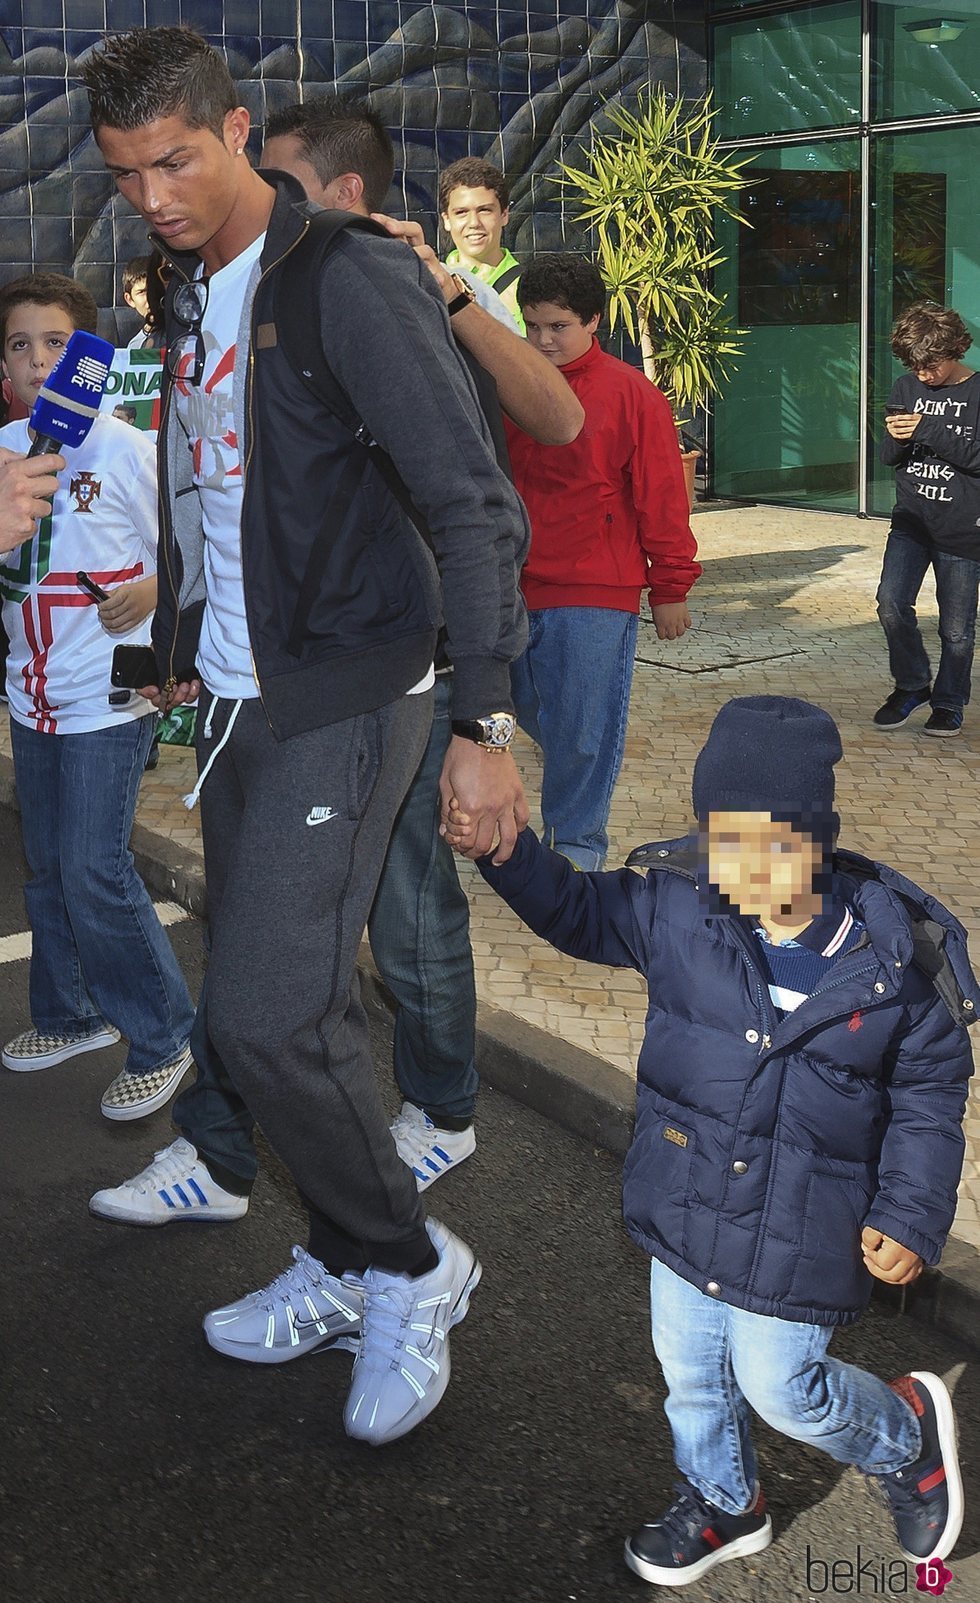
[(888, 1260), (127, 606), (672, 619), (482, 800), (902, 425), (27, 485)]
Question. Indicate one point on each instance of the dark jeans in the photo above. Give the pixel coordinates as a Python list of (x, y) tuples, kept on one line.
[(295, 833), (903, 569), (420, 936), (99, 950)]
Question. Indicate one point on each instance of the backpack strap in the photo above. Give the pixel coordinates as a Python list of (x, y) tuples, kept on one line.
[(295, 296), (503, 283)]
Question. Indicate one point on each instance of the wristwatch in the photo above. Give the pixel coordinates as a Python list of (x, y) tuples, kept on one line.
[(465, 296), (495, 732)]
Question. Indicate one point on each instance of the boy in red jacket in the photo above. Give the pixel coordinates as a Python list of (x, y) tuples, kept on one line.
[(609, 516)]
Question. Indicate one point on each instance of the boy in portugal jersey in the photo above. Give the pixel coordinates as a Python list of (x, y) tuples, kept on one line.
[(101, 965)]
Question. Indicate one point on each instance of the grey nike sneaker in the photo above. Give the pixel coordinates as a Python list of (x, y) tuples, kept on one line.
[(402, 1365), (303, 1309)]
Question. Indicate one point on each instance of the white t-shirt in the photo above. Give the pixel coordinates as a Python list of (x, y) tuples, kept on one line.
[(104, 522), (207, 416)]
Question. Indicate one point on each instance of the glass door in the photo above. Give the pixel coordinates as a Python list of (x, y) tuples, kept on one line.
[(787, 428), (927, 247)]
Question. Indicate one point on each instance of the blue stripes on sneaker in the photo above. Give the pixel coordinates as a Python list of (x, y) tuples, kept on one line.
[(187, 1201)]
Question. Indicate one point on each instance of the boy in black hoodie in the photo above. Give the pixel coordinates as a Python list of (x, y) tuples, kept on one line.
[(933, 443)]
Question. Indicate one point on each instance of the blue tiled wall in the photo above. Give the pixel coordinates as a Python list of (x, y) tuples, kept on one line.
[(517, 84)]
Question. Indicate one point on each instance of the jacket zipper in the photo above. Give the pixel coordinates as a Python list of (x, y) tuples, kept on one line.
[(767, 1014), (249, 387), (840, 979), (166, 521)]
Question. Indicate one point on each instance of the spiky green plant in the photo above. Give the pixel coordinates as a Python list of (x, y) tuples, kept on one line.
[(651, 190)]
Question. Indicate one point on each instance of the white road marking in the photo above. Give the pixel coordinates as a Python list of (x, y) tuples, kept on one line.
[(13, 948)]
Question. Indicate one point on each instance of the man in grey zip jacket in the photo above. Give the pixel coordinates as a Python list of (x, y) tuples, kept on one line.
[(319, 605)]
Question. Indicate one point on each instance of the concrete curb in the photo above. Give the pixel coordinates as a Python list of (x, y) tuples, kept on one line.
[(575, 1089)]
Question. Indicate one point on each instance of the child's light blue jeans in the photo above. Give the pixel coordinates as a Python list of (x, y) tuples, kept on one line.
[(719, 1362)]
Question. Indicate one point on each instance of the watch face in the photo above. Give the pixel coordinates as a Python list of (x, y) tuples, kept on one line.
[(500, 727)]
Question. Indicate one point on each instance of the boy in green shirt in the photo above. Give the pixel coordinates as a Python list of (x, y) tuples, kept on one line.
[(474, 207)]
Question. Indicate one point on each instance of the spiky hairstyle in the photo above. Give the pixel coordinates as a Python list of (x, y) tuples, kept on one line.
[(148, 73)]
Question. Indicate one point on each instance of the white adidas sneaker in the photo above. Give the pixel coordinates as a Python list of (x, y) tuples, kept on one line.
[(428, 1151), (176, 1185)]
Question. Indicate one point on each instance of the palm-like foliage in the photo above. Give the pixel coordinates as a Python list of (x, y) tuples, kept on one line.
[(652, 190)]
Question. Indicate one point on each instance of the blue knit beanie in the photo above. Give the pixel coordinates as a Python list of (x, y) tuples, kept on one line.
[(770, 754)]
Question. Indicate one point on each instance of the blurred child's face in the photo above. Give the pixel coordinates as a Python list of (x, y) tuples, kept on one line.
[(558, 332), (475, 220), (764, 869), (137, 298), (34, 339)]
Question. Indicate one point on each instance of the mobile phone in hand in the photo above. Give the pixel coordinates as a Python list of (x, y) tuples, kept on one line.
[(133, 667)]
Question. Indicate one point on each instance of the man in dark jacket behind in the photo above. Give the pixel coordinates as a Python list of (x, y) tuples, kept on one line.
[(801, 1089), (318, 605)]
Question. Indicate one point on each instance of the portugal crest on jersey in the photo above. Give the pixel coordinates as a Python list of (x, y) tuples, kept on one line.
[(86, 488)]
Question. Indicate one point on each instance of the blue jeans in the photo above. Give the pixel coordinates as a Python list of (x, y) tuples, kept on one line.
[(719, 1362), (957, 581), (99, 951), (419, 930), (571, 690)]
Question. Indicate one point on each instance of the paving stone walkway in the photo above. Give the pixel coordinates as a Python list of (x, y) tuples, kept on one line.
[(785, 606)]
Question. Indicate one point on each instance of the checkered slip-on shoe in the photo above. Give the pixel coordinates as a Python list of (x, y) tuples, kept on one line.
[(133, 1096), (37, 1049)]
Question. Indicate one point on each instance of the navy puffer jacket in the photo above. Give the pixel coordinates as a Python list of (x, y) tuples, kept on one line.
[(763, 1146)]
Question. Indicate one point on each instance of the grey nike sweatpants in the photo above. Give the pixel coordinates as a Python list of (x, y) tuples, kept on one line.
[(295, 834)]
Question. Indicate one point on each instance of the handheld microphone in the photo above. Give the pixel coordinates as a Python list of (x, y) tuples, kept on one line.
[(68, 402)]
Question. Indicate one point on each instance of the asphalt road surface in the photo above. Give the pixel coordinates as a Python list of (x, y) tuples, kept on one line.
[(136, 1466)]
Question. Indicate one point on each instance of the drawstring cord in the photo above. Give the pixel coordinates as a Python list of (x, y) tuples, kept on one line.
[(193, 797)]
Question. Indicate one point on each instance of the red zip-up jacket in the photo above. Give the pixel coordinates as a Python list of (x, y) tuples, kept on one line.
[(609, 513)]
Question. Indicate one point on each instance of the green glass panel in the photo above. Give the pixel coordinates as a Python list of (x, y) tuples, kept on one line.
[(786, 428), (926, 59), (926, 246), (793, 71)]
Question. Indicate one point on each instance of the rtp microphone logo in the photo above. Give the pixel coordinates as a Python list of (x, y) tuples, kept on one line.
[(91, 374)]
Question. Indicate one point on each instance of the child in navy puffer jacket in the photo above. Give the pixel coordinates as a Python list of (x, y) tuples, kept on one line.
[(801, 1089)]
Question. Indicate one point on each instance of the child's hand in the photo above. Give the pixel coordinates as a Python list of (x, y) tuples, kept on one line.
[(672, 619), (888, 1260), (457, 827), (902, 425), (128, 606)]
